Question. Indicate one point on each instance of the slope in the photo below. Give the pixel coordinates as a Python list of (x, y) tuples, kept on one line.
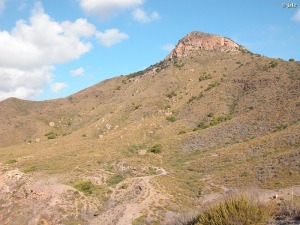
[(213, 115)]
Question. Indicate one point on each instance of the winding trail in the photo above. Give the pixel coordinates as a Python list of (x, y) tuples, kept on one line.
[(133, 201)]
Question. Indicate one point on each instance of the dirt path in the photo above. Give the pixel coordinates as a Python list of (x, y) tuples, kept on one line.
[(133, 201)]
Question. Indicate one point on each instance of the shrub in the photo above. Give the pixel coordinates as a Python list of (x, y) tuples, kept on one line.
[(281, 127), (136, 74), (29, 169), (192, 98), (171, 94), (215, 121), (182, 132), (292, 60), (219, 119), (196, 97), (115, 179), (202, 125), (212, 85), (273, 64), (210, 114), (155, 148), (204, 77), (51, 135), (290, 208), (236, 210), (10, 161), (171, 118), (85, 186)]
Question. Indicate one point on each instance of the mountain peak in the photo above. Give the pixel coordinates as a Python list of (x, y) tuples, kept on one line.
[(203, 41)]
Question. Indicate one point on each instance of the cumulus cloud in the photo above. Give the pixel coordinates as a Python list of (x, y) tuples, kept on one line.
[(107, 8), (28, 50), (43, 41), (25, 84), (142, 17), (168, 47), (57, 87), (78, 72), (111, 37), (296, 16)]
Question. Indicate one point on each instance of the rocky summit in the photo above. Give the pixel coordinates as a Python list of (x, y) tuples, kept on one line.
[(203, 41), (161, 145)]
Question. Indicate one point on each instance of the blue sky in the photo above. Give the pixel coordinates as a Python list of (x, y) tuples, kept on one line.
[(53, 48)]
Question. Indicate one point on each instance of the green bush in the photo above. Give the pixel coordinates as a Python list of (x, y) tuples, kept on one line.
[(273, 64), (51, 135), (29, 169), (196, 97), (219, 119), (171, 94), (182, 132), (115, 179), (136, 74), (240, 210), (171, 118), (281, 127), (292, 60), (10, 161), (215, 121), (85, 186), (204, 77), (210, 114), (212, 85), (155, 148)]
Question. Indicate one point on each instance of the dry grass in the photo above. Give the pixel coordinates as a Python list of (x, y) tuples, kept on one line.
[(238, 210), (250, 148), (290, 208)]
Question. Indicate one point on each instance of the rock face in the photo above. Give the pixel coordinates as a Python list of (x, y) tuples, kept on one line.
[(203, 41)]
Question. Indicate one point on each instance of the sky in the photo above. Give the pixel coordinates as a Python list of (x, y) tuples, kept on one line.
[(53, 48)]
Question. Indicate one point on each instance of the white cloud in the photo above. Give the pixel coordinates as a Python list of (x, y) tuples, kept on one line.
[(78, 72), (43, 41), (296, 16), (141, 16), (25, 84), (31, 47), (107, 8), (168, 47), (2, 5), (79, 28), (57, 87), (111, 37)]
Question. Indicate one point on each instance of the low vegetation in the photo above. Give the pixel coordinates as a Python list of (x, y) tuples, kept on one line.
[(196, 97), (171, 118), (212, 85), (30, 169), (155, 148), (236, 210), (205, 77), (115, 179), (10, 161), (273, 64), (85, 186), (215, 121), (171, 94), (51, 135)]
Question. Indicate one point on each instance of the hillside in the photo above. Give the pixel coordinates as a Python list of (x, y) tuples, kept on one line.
[(210, 118)]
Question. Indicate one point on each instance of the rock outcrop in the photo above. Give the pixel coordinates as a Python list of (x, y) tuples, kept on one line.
[(203, 41)]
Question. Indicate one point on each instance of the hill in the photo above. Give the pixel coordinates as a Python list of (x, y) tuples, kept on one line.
[(211, 117)]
